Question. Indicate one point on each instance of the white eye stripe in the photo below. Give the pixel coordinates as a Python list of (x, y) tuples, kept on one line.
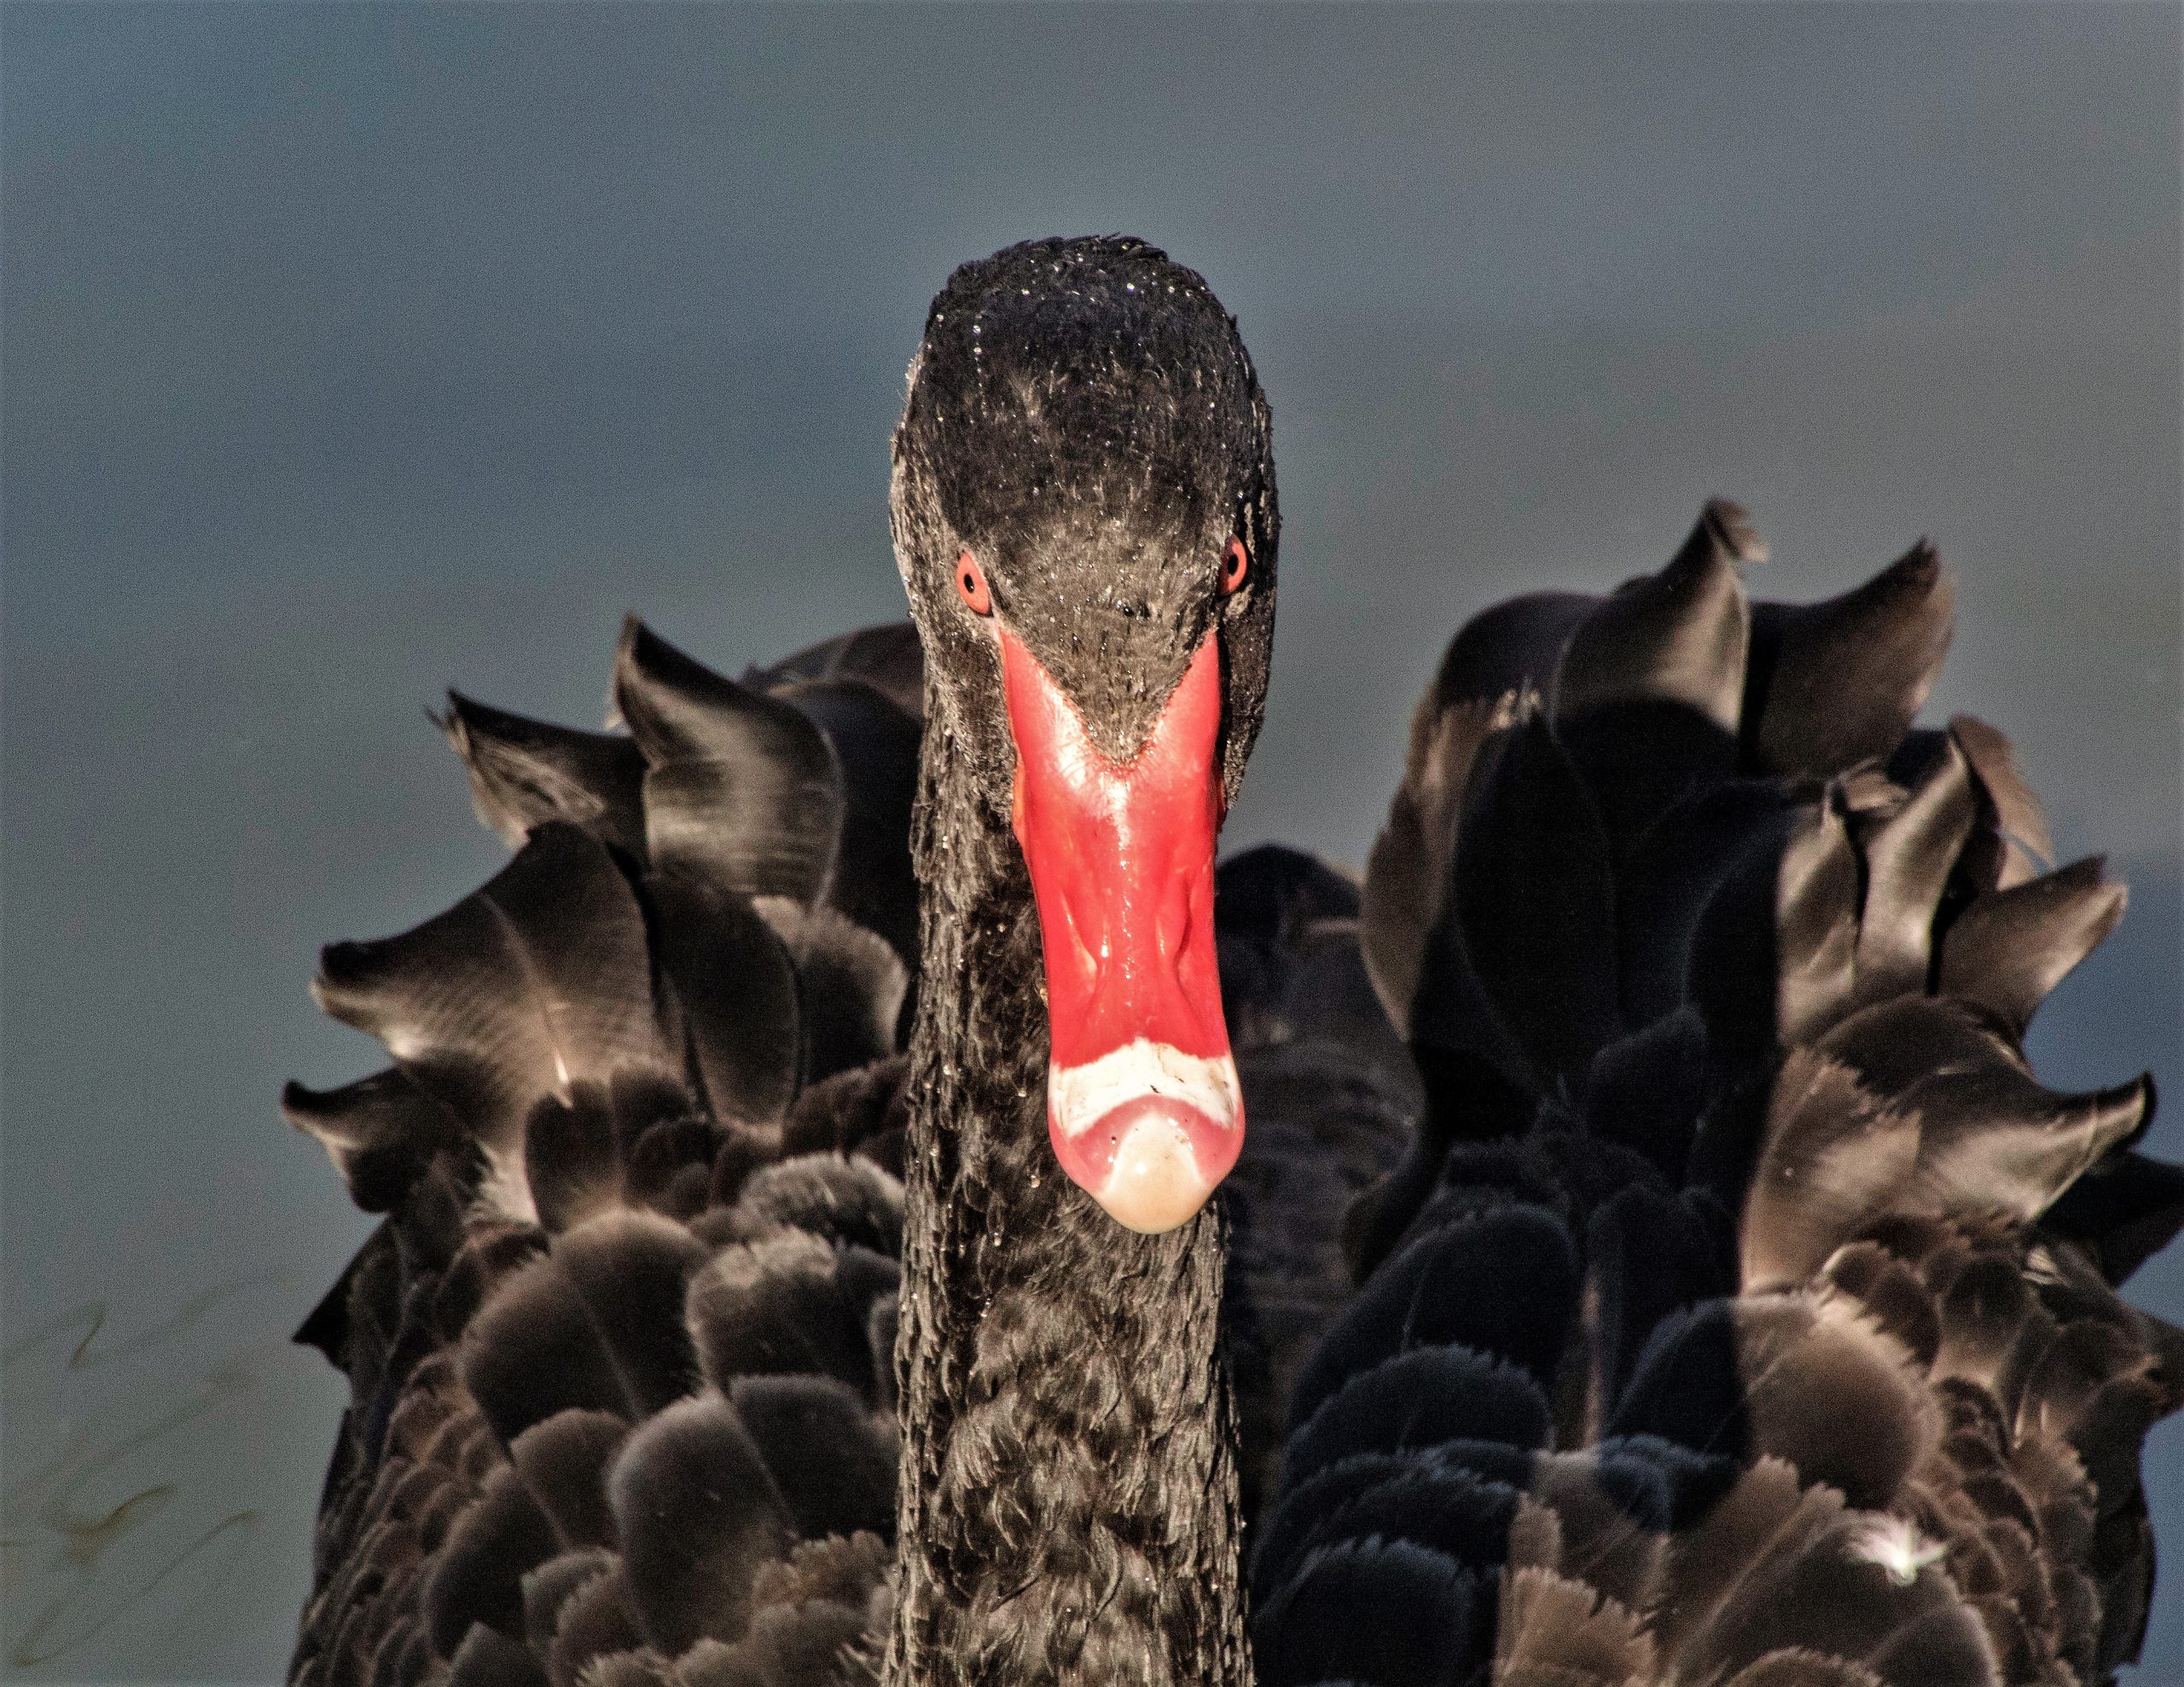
[(1078, 1097)]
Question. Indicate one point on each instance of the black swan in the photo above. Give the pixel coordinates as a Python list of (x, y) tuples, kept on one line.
[(1713, 969)]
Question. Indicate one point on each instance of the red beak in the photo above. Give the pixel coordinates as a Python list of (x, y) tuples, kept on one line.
[(1143, 1106)]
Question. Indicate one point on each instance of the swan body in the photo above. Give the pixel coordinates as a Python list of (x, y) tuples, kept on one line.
[(792, 1266)]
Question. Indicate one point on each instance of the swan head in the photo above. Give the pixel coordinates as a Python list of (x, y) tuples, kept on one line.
[(1085, 521)]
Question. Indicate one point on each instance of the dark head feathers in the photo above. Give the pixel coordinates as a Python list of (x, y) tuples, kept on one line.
[(1058, 375), (1083, 416)]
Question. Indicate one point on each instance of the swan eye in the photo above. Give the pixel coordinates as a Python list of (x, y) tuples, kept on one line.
[(971, 583), (1235, 564)]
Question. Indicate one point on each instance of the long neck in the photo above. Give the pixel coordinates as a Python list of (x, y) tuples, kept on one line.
[(1067, 1508)]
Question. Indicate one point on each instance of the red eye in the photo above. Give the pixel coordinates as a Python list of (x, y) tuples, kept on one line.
[(971, 581), (1235, 564)]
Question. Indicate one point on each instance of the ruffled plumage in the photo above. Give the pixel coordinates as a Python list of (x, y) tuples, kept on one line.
[(1743, 1311)]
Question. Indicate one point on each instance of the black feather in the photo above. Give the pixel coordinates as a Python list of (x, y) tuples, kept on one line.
[(1440, 1506), (488, 1658), (524, 773), (742, 793), (1288, 1529), (1647, 1091), (563, 1462), (1536, 902), (850, 987), (830, 1460), (847, 1201), (547, 1590), (697, 1515), (1645, 699), (1908, 861), (597, 1325), (787, 1303), (380, 1131), (477, 1576), (2125, 1209), (1677, 636), (2008, 950), (1835, 683), (875, 745), (1990, 1136), (1503, 1283), (889, 658), (1388, 1615), (1513, 646), (1666, 884), (2013, 807), (1833, 1156), (537, 980), (1419, 1398), (1648, 1257), (736, 988), (595, 1621), (571, 1157)]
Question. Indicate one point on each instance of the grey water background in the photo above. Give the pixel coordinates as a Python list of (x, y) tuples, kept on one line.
[(352, 351)]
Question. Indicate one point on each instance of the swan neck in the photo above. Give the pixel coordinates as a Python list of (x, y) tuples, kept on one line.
[(1067, 1507)]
